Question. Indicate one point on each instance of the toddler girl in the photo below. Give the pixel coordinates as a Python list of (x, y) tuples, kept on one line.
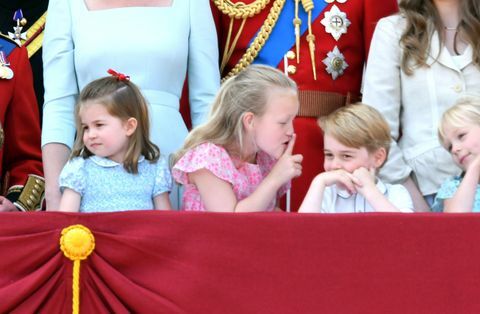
[(113, 165), (459, 133)]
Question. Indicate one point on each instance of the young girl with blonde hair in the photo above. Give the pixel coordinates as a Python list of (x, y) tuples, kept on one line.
[(356, 142), (421, 61), (241, 159), (113, 165), (459, 133)]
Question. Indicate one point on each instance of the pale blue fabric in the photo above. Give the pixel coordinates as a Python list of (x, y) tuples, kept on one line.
[(104, 185), (155, 46), (448, 189)]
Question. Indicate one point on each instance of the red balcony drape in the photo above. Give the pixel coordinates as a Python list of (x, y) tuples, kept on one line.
[(184, 262)]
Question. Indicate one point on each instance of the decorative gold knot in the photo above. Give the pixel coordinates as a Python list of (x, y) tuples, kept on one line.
[(77, 242)]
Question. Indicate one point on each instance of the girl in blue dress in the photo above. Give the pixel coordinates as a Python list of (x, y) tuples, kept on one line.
[(459, 132), (114, 165)]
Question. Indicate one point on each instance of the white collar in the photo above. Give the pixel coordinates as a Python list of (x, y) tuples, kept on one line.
[(380, 186), (105, 162), (440, 54)]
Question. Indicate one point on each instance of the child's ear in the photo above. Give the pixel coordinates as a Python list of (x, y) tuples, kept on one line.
[(248, 120), (131, 126), (380, 155)]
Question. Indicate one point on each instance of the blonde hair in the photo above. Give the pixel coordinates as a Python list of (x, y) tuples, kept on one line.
[(246, 92), (466, 110), (357, 125), (423, 20), (124, 100)]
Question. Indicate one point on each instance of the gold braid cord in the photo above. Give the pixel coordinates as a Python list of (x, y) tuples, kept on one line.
[(240, 10), (308, 7), (259, 40)]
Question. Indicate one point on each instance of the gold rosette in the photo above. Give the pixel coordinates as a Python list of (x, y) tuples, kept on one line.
[(77, 243)]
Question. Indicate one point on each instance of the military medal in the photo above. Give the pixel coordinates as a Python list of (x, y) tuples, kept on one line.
[(17, 34), (335, 62), (335, 22), (5, 71)]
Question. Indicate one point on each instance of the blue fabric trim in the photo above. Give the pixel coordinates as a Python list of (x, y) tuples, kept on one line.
[(282, 37), (7, 46)]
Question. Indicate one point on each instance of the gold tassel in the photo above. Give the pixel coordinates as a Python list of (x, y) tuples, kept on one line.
[(297, 22), (308, 7), (77, 243), (229, 49)]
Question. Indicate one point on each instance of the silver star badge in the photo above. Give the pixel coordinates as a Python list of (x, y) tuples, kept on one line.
[(335, 22), (335, 62), (17, 35)]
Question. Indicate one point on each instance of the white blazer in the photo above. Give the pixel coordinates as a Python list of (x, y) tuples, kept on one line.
[(413, 105)]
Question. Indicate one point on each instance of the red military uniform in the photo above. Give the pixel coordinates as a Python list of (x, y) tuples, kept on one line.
[(20, 154), (29, 33), (342, 32)]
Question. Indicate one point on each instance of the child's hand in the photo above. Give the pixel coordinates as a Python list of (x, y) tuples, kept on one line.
[(6, 205), (343, 179), (366, 177), (289, 166), (475, 164)]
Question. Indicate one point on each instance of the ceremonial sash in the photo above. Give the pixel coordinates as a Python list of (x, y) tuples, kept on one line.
[(7, 46), (282, 37)]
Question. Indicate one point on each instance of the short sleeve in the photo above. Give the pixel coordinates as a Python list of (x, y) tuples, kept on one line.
[(73, 176), (205, 156), (163, 178), (446, 191), (328, 200), (399, 196)]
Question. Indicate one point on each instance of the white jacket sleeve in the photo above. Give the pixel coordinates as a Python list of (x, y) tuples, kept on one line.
[(203, 68), (60, 80), (383, 90)]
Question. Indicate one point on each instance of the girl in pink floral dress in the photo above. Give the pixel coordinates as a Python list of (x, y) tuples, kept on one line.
[(241, 159)]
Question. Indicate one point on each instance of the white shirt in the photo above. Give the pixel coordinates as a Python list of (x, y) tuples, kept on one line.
[(340, 201)]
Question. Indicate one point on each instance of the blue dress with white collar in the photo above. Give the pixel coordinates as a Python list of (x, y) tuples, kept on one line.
[(105, 185)]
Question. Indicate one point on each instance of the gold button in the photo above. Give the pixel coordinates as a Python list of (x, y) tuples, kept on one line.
[(291, 69), (34, 192), (29, 203), (36, 186), (37, 181), (291, 55), (33, 198)]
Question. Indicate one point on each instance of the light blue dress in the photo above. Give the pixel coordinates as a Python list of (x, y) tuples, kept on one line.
[(155, 46), (448, 190), (104, 185)]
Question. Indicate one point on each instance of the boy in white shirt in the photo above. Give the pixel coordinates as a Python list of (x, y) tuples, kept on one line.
[(356, 143)]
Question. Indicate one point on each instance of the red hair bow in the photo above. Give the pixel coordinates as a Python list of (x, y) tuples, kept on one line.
[(119, 76)]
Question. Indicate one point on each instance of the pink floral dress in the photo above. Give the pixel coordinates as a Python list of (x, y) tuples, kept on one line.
[(244, 177)]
